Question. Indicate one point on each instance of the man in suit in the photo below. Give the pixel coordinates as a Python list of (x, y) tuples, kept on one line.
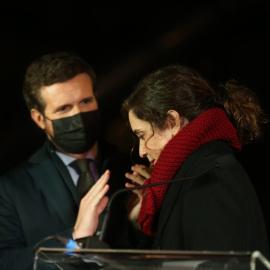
[(39, 198)]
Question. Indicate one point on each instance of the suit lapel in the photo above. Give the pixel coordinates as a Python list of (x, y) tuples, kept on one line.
[(62, 170), (56, 185)]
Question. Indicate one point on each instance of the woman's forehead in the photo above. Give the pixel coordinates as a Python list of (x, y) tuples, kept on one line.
[(137, 125)]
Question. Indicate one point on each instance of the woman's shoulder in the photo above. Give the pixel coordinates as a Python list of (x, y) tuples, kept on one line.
[(207, 157)]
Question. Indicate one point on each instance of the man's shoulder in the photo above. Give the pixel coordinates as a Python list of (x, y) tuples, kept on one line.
[(20, 170)]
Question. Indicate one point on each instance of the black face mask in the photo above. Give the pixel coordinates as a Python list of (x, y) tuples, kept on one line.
[(78, 133)]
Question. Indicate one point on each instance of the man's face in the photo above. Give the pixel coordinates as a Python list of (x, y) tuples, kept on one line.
[(64, 100)]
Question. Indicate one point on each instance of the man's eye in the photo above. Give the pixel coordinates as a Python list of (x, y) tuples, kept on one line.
[(87, 100), (62, 109)]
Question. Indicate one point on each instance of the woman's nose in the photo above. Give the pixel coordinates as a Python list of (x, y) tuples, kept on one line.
[(142, 150)]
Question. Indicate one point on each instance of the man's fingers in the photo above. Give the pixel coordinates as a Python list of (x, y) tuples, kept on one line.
[(102, 204), (98, 190)]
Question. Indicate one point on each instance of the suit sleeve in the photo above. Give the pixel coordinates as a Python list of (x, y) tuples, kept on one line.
[(13, 251), (17, 248)]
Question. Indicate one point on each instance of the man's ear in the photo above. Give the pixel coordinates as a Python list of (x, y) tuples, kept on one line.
[(38, 118)]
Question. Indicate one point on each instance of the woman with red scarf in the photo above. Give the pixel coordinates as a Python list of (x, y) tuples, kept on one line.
[(188, 130)]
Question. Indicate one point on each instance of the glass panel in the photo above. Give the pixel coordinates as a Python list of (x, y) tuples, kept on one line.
[(113, 259)]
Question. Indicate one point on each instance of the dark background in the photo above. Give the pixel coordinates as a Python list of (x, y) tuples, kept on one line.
[(124, 41)]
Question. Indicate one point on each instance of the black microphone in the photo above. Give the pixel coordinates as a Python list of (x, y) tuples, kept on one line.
[(222, 162)]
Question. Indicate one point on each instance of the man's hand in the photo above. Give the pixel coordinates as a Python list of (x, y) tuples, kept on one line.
[(92, 204)]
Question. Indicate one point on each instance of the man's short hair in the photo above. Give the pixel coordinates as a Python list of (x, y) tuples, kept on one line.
[(49, 69)]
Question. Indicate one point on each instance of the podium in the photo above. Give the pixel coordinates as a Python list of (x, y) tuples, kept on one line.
[(114, 259)]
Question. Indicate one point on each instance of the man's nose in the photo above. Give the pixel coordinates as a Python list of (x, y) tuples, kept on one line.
[(76, 110)]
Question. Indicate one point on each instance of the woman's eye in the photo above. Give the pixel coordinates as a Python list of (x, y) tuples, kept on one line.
[(141, 137)]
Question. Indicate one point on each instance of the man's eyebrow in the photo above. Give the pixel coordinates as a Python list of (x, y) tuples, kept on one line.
[(88, 98), (61, 106)]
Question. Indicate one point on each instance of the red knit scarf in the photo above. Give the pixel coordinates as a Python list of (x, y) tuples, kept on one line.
[(210, 126)]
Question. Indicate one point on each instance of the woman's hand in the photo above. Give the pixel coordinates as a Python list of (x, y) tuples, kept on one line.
[(139, 175), (92, 204)]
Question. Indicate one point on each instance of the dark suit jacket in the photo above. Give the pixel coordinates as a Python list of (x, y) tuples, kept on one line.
[(217, 211), (38, 199)]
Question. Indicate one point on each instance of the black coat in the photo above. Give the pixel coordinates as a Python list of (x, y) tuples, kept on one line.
[(39, 199), (217, 211)]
